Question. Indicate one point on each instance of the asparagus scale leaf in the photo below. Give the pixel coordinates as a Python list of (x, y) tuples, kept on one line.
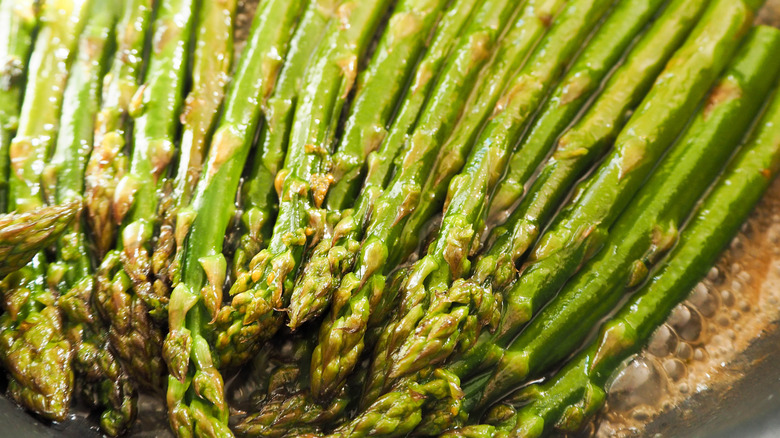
[(650, 224), (196, 399)]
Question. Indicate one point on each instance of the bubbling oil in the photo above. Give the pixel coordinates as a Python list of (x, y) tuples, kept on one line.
[(700, 347)]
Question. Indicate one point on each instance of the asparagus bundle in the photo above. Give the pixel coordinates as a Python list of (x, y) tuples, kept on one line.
[(23, 235), (34, 349), (649, 226), (196, 400), (260, 200), (581, 228), (211, 62), (575, 393), (303, 184), (342, 334), (101, 379), (580, 146), (125, 274), (335, 254), (18, 21), (108, 162), (379, 89), (423, 331)]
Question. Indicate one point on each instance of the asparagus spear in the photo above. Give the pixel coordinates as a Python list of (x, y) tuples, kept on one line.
[(127, 271), (380, 86), (342, 333), (335, 254), (650, 224), (577, 392), (212, 59), (579, 230), (108, 162), (580, 146), (259, 194), (34, 349), (424, 331), (25, 234), (196, 402), (103, 381), (303, 183), (18, 21)]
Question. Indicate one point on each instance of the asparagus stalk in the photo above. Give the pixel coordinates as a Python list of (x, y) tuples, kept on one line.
[(303, 183), (581, 145), (212, 60), (341, 335), (580, 229), (103, 382), (577, 392), (335, 254), (196, 401), (18, 21), (23, 235), (650, 224), (379, 88), (34, 349), (125, 274), (425, 330), (260, 200), (108, 162)]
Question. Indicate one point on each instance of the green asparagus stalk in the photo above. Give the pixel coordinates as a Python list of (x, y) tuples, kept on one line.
[(23, 235), (34, 349), (581, 228), (342, 334), (335, 254), (303, 183), (581, 145), (212, 60), (577, 392), (103, 382), (109, 162), (579, 231), (425, 329), (18, 21), (260, 200), (196, 400), (650, 224), (379, 88), (127, 271)]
